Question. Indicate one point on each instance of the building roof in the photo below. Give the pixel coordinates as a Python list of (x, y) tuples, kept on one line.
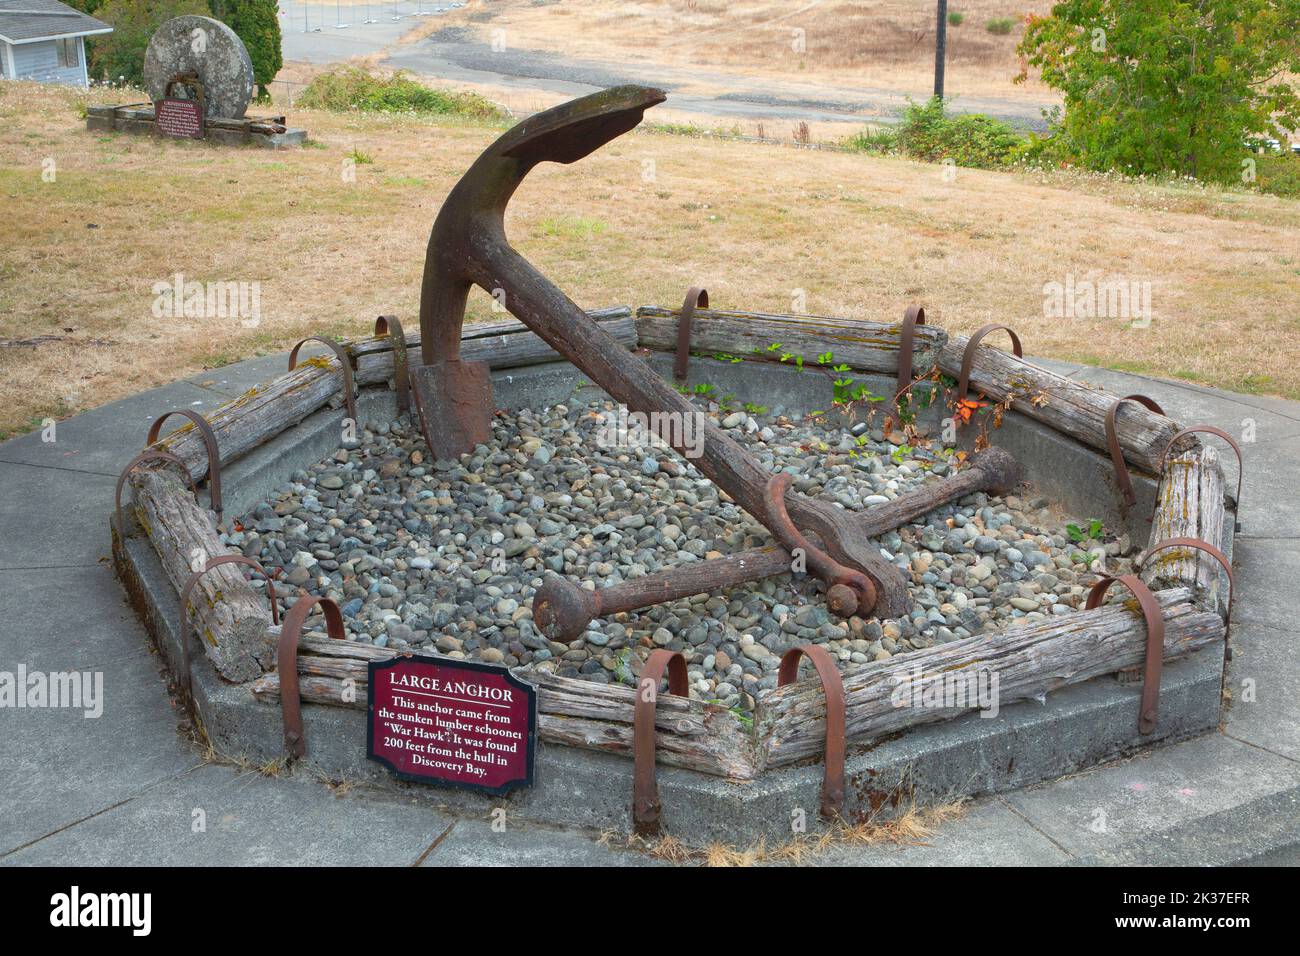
[(26, 21)]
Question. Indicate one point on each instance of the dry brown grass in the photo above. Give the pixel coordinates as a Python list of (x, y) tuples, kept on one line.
[(882, 44), (861, 236), (911, 826)]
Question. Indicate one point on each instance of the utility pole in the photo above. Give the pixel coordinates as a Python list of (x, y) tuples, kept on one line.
[(940, 47)]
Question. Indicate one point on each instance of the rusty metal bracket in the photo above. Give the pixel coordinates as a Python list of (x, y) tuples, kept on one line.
[(1241, 464), (344, 360), (646, 810), (968, 356), (189, 588), (914, 316), (1199, 545), (833, 687), (388, 325), (696, 297), (848, 592), (286, 664), (149, 454), (209, 443), (1149, 708), (1117, 450)]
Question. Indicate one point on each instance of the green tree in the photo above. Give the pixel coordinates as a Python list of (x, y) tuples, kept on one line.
[(119, 56), (258, 24), (1167, 85)]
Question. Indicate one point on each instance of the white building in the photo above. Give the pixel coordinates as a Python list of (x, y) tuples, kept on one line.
[(44, 40)]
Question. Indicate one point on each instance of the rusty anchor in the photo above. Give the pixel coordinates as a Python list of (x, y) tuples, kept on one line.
[(468, 246), (562, 610)]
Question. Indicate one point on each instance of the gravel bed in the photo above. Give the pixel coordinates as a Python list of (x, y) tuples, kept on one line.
[(444, 556)]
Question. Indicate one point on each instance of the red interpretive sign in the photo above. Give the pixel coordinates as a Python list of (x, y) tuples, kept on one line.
[(175, 117), (452, 722)]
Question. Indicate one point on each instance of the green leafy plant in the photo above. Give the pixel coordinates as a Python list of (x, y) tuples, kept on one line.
[(1078, 534), (257, 23), (956, 19), (1167, 86), (969, 139), (1000, 26), (118, 57)]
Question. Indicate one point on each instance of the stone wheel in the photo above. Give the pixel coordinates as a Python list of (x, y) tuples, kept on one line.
[(209, 49)]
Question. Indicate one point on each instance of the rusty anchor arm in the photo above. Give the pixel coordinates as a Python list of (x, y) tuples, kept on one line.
[(468, 246), (562, 610)]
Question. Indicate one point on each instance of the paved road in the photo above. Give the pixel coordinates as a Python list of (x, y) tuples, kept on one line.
[(455, 55), (127, 788)]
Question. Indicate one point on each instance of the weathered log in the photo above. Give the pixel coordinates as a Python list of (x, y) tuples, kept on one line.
[(1073, 407), (259, 414), (229, 615), (1029, 660), (861, 345), (506, 344), (575, 713), (1189, 504), (264, 411)]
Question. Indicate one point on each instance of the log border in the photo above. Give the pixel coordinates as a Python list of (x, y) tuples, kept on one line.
[(693, 734)]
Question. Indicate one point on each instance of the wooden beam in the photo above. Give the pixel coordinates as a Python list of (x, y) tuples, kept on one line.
[(1069, 406), (1189, 504), (230, 617), (865, 346), (509, 344), (1029, 660), (264, 411), (575, 713)]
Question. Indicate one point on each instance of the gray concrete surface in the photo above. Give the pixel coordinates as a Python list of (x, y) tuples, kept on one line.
[(124, 788)]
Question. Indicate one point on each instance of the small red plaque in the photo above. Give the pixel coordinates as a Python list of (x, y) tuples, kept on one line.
[(457, 723), (176, 117)]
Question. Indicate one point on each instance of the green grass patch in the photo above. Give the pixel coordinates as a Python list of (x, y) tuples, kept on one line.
[(570, 227), (351, 90)]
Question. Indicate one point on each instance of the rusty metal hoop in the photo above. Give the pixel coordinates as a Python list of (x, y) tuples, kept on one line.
[(149, 454), (189, 588), (1117, 451), (286, 664), (696, 297), (1199, 545), (968, 356), (914, 316), (1149, 707), (1241, 464), (209, 443), (848, 591), (833, 687), (646, 809), (389, 326), (344, 360)]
